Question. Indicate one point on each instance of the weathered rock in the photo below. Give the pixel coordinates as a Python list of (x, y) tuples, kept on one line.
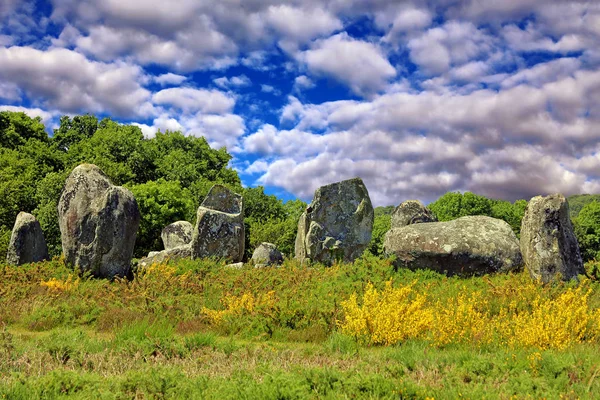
[(337, 224), (177, 234), (27, 243), (411, 212), (161, 257), (98, 223), (466, 246), (548, 243), (267, 254), (237, 265), (219, 230)]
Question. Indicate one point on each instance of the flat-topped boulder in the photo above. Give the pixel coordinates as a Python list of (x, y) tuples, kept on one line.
[(98, 223), (161, 257), (177, 234), (467, 246), (548, 244), (267, 254), (27, 243), (337, 225), (411, 212), (219, 230)]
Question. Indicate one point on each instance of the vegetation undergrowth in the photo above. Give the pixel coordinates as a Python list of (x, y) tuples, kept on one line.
[(361, 330)]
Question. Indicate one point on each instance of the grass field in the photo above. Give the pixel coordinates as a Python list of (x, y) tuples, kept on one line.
[(199, 330)]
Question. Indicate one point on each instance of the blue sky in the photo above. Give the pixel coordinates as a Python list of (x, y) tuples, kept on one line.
[(418, 97)]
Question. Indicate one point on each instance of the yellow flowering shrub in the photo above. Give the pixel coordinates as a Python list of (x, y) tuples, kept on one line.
[(461, 320), (531, 318), (390, 316), (238, 305), (59, 286)]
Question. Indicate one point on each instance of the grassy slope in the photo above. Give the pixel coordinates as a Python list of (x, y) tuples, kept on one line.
[(153, 338)]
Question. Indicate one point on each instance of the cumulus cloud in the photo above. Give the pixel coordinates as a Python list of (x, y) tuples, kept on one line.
[(453, 43), (169, 79), (191, 100), (233, 82), (360, 65), (46, 116), (69, 82), (510, 144)]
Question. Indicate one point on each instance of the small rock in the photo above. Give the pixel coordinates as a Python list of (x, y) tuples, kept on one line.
[(267, 254), (411, 212), (177, 234), (161, 257)]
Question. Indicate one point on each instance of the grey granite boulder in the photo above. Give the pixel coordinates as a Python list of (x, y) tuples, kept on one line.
[(466, 246), (219, 230), (548, 243), (27, 243), (337, 225), (411, 212), (267, 254), (177, 234), (98, 223), (161, 257)]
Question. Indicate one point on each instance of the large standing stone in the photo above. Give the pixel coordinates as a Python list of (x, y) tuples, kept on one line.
[(98, 223), (337, 224), (27, 243), (267, 254), (548, 243), (411, 212), (466, 246), (177, 234), (219, 230)]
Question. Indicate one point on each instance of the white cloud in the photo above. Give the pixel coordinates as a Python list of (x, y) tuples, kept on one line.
[(67, 81), (303, 82), (297, 26), (169, 79), (453, 43), (516, 143), (360, 65), (190, 100), (256, 167), (46, 116), (233, 82)]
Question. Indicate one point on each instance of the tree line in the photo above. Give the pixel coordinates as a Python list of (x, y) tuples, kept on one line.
[(170, 174)]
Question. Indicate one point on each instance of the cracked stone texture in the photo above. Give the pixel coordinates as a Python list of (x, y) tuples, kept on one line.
[(411, 212), (27, 243), (219, 230), (548, 244), (177, 234), (337, 225), (98, 223), (467, 246)]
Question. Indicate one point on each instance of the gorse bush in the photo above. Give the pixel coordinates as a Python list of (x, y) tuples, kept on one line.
[(398, 314)]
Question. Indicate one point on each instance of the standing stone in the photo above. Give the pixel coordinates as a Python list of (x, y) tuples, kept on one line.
[(219, 230), (177, 234), (474, 245), (27, 243), (98, 223), (267, 254), (337, 224), (411, 212), (548, 243)]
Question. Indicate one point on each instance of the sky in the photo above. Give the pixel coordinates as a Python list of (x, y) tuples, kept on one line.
[(418, 98)]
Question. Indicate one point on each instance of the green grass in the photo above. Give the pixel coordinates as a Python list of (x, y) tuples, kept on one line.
[(150, 338)]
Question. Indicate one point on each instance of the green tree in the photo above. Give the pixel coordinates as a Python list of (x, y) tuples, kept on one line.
[(74, 130), (16, 128), (587, 230), (381, 224), (161, 203)]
